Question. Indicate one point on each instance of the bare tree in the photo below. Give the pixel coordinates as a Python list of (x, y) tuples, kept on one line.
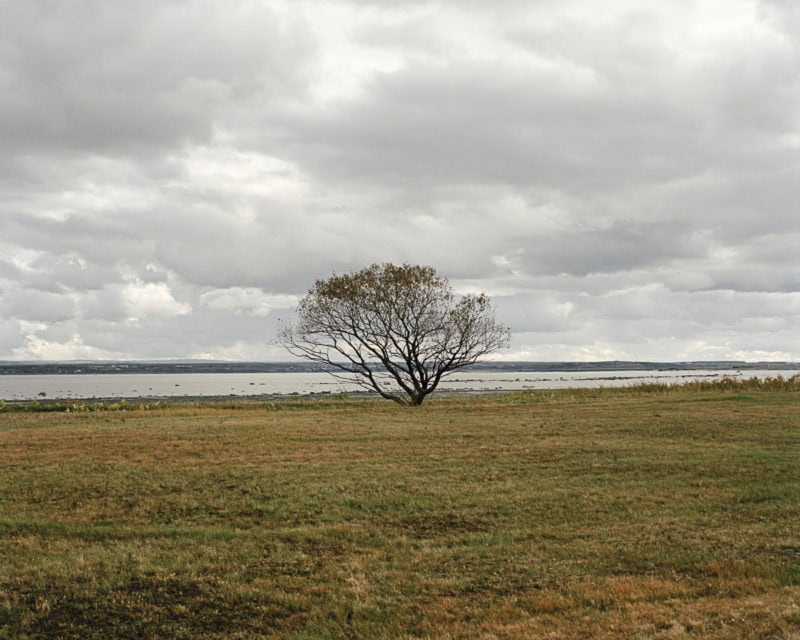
[(393, 329)]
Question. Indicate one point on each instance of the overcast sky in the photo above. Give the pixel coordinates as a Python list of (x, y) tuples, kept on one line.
[(622, 177)]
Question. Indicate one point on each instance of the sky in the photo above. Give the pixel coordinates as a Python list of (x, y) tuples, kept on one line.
[(622, 178)]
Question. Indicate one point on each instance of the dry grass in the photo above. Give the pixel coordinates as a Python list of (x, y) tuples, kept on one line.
[(593, 514)]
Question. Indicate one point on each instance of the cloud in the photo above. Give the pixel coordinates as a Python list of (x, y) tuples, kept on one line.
[(35, 348), (149, 299), (243, 300), (121, 79), (36, 305), (622, 180)]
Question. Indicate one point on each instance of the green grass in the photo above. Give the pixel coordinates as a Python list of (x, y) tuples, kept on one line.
[(630, 513)]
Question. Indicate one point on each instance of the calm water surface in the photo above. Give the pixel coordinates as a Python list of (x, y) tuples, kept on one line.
[(29, 387)]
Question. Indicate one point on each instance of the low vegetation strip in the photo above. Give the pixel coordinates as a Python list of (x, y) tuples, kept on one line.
[(629, 513)]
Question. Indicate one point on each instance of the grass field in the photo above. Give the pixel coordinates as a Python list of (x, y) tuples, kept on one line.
[(646, 513)]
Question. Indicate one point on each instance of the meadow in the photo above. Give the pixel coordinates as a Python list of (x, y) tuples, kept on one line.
[(650, 512)]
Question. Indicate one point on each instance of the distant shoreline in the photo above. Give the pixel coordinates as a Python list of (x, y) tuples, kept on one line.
[(184, 367)]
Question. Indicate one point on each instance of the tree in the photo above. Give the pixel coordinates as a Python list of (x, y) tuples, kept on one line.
[(396, 330)]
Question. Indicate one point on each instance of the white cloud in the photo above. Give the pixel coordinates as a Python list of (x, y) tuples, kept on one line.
[(151, 299), (35, 344), (246, 300), (244, 173), (36, 348)]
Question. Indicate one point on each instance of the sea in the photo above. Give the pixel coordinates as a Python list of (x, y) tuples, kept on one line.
[(197, 383)]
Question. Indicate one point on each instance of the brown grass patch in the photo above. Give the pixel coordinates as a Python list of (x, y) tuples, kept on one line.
[(574, 515)]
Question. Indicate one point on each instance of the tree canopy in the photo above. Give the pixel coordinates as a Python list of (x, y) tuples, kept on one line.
[(396, 330)]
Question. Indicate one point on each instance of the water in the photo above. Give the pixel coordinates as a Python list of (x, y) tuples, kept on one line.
[(68, 386)]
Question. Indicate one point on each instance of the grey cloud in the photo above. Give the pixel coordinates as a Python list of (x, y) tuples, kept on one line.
[(9, 270), (620, 248), (111, 78), (101, 240), (538, 312), (718, 307), (182, 337), (63, 273), (570, 122), (10, 337), (620, 183), (104, 305), (36, 305)]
